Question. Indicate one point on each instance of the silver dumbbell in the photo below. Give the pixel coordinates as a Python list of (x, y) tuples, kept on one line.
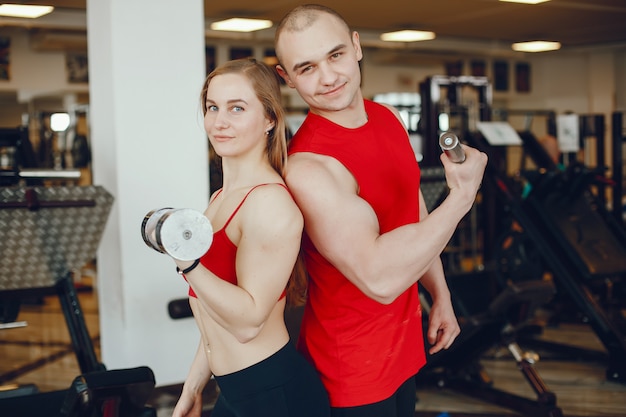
[(184, 234), (451, 146)]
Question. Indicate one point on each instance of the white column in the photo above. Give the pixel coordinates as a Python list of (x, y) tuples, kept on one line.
[(146, 68)]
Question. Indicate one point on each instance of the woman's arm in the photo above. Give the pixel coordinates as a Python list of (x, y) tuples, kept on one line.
[(190, 402), (271, 230)]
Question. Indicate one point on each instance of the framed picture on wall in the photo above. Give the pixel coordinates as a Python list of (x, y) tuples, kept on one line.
[(5, 48), (240, 52), (77, 68), (478, 68), (501, 75), (270, 59), (209, 54), (454, 68), (522, 77)]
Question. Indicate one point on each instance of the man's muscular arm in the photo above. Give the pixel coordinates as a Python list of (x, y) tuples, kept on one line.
[(344, 227)]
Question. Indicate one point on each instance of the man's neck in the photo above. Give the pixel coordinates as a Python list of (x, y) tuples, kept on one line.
[(351, 117)]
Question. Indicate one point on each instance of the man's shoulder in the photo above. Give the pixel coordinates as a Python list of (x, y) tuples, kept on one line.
[(309, 169), (303, 163), (383, 109)]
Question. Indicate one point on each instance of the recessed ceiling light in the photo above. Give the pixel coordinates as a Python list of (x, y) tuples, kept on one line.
[(525, 1), (536, 46), (241, 25), (407, 36), (24, 10)]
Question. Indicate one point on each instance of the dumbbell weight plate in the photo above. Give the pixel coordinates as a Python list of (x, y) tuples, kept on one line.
[(184, 234), (148, 227)]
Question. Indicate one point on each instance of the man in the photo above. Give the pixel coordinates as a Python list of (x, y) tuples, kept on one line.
[(368, 237)]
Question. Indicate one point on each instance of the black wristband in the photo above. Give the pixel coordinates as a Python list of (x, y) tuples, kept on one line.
[(188, 269)]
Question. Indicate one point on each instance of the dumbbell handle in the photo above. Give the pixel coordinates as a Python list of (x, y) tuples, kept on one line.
[(451, 146)]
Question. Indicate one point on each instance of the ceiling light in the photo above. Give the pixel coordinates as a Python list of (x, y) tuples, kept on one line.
[(241, 25), (24, 10), (407, 36), (536, 46), (525, 1)]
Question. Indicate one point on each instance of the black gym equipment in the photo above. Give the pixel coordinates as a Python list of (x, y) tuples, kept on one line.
[(17, 148), (48, 232), (112, 393), (22, 165), (491, 315), (459, 368), (619, 139), (580, 243), (179, 308), (433, 104), (583, 246)]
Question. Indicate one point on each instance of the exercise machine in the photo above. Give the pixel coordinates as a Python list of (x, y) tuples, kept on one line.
[(618, 141), (48, 232), (580, 243), (459, 368), (105, 393), (511, 308)]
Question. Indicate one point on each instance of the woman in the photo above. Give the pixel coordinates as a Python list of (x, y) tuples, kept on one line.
[(238, 289)]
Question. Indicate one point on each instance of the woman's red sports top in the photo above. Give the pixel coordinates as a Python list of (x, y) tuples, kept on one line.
[(222, 255)]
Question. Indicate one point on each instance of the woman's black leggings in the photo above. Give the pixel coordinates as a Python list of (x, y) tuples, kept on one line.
[(283, 385)]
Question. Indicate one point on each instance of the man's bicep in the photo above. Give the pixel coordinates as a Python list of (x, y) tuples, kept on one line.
[(341, 225)]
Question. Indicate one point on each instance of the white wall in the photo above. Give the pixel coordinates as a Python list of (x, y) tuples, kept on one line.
[(35, 73), (379, 78)]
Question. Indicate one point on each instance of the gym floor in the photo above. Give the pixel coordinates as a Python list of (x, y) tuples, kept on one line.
[(40, 353)]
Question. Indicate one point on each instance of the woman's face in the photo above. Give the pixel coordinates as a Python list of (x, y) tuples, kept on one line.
[(235, 120)]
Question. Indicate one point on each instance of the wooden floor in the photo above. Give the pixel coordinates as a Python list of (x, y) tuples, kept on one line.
[(40, 353)]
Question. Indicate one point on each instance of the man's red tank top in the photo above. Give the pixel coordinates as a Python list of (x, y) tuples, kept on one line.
[(222, 255), (363, 350)]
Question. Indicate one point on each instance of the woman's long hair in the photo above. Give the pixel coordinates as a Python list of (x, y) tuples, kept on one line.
[(266, 85)]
